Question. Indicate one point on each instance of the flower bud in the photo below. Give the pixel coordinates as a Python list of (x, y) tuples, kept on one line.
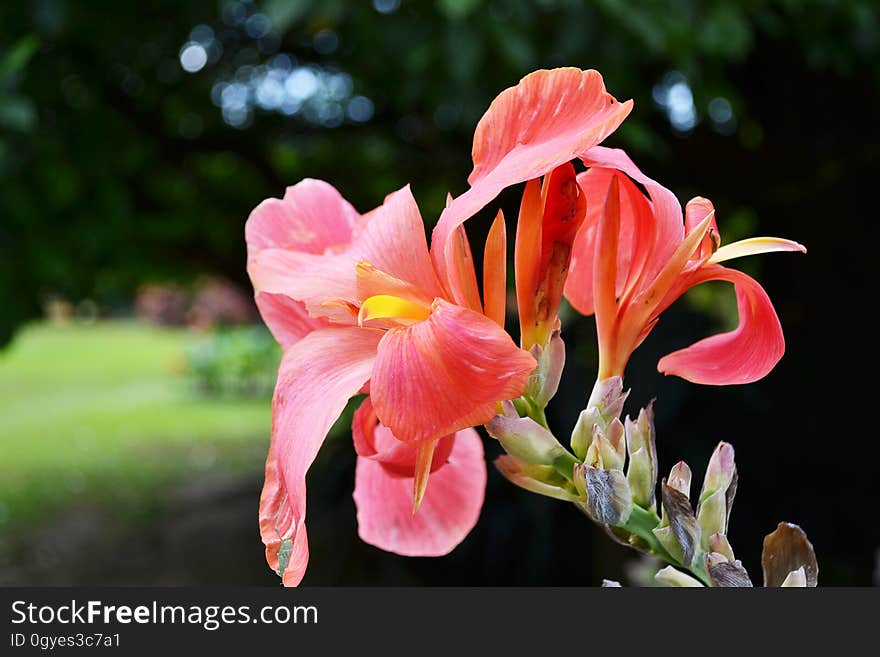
[(525, 439), (544, 381), (670, 576), (540, 479), (680, 478), (607, 450), (642, 470), (608, 397), (609, 500), (678, 531), (716, 498), (719, 544), (605, 404)]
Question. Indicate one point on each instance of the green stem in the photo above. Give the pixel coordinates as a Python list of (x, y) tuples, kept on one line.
[(641, 523)]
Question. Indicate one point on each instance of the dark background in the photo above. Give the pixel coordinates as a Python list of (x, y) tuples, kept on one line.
[(118, 167)]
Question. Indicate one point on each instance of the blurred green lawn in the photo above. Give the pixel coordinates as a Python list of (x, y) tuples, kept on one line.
[(103, 413)]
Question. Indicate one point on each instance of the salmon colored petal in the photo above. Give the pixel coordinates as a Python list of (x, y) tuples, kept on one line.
[(312, 279), (393, 240), (743, 355), (549, 118), (754, 246), (375, 441), (288, 320), (316, 378), (668, 220), (635, 237), (449, 510), (311, 218), (445, 373)]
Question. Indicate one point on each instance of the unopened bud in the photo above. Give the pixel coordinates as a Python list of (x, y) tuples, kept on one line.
[(680, 478), (604, 406), (678, 531), (608, 397), (544, 381), (719, 544), (609, 500), (525, 439), (642, 469), (670, 576), (540, 479), (607, 450), (582, 436), (720, 471), (719, 488)]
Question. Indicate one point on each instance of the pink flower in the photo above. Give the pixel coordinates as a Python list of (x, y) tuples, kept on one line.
[(635, 255), (361, 305), (358, 306)]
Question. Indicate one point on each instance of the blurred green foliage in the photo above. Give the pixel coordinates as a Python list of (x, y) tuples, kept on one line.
[(234, 362), (116, 168), (102, 412)]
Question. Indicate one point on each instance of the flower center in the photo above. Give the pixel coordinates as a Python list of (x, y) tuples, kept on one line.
[(388, 307)]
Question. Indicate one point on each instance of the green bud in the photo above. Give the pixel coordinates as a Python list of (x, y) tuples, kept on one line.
[(540, 479), (544, 381), (678, 531), (604, 406), (716, 497), (525, 439), (642, 469), (670, 576), (582, 436), (607, 450)]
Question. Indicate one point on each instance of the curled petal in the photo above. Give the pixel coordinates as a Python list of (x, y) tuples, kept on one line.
[(549, 118), (374, 441), (311, 218), (445, 373), (288, 320), (743, 355), (754, 246), (449, 510), (316, 378)]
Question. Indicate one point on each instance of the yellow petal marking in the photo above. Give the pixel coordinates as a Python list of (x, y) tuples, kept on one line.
[(386, 306)]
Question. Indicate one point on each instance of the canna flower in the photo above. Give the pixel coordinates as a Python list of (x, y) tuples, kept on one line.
[(358, 306), (636, 255), (361, 305)]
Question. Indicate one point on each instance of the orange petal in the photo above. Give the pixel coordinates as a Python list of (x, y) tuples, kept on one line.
[(463, 276), (527, 258), (424, 458), (495, 271)]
